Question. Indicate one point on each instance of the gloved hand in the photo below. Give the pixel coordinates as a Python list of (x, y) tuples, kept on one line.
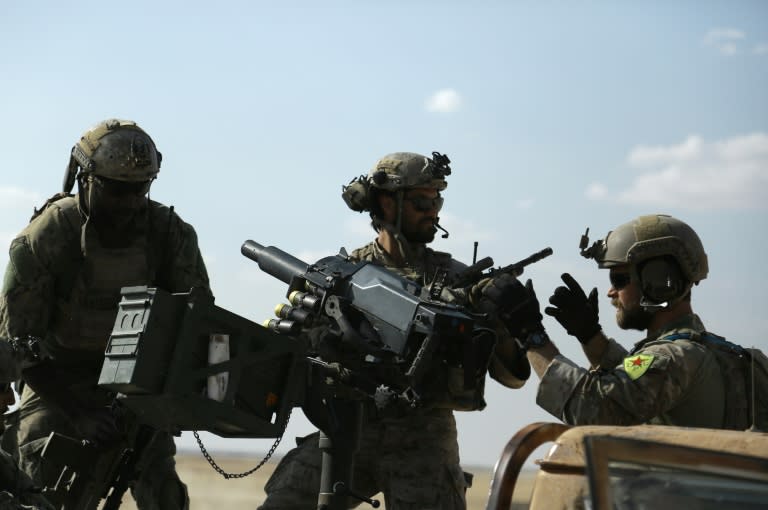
[(96, 425), (576, 312), (514, 304)]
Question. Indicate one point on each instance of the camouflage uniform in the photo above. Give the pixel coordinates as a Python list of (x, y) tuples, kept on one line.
[(56, 290), (412, 459), (16, 488), (660, 381)]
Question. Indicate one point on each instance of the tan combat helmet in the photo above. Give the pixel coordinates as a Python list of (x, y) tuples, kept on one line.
[(395, 172), (647, 244), (116, 149)]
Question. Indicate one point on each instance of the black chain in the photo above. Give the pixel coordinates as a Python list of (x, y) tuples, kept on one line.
[(226, 475)]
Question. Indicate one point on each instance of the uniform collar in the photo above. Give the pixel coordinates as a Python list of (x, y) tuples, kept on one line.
[(687, 322)]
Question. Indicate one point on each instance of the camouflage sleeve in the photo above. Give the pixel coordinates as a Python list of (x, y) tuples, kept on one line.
[(662, 375), (186, 268), (27, 295), (508, 364), (25, 495), (613, 355)]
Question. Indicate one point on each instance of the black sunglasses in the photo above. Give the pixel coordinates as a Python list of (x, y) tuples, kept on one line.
[(423, 204), (122, 188), (619, 280)]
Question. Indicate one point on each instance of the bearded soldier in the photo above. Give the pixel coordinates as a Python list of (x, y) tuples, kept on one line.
[(412, 457), (679, 374), (62, 285)]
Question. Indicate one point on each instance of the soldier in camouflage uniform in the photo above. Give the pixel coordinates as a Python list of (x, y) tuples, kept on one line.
[(670, 377), (16, 488), (412, 458), (63, 282)]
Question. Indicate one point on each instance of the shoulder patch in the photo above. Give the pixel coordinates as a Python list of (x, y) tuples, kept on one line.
[(637, 364)]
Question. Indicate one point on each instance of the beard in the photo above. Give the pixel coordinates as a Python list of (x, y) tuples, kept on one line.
[(423, 232), (632, 317)]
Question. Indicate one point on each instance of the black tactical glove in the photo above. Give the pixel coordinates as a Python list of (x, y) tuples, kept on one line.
[(96, 425), (514, 304), (576, 312)]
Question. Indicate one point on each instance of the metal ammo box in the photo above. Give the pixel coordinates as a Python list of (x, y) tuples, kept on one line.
[(157, 359)]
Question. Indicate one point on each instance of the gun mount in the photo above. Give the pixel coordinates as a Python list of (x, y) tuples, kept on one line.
[(374, 310)]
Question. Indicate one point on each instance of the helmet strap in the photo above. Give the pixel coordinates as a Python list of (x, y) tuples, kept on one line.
[(397, 230), (404, 246), (85, 209), (399, 219), (70, 175)]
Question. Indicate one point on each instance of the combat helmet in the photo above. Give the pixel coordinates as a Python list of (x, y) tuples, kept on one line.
[(665, 255), (395, 172), (116, 149)]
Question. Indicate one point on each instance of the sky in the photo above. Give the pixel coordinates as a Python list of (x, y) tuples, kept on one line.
[(557, 116)]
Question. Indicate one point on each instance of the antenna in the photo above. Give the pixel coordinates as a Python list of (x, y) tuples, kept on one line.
[(753, 428)]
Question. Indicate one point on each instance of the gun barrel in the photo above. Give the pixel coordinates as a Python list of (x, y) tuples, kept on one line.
[(274, 261), (546, 252), (473, 273), (518, 267)]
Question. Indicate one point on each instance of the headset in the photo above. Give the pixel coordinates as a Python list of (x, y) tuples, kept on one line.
[(661, 280)]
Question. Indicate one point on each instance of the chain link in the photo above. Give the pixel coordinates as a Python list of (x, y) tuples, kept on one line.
[(228, 476)]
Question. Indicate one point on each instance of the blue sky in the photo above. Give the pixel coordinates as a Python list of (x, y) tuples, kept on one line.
[(557, 116)]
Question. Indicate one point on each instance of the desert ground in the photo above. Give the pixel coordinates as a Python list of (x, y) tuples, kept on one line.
[(210, 491)]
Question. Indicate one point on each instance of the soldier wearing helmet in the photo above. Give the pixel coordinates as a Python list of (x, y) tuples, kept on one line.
[(411, 457), (62, 285), (402, 195), (670, 377)]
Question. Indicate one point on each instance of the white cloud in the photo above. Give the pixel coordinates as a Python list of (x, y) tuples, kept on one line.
[(444, 101), (760, 49), (719, 34), (728, 49), (596, 191), (645, 155), (724, 174), (724, 40)]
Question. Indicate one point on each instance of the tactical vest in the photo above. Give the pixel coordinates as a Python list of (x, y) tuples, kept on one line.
[(84, 319), (449, 384), (745, 379), (86, 300)]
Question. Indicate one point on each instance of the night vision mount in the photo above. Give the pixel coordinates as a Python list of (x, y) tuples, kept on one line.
[(596, 251)]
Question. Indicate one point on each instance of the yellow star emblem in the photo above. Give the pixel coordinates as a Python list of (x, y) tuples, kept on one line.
[(637, 364)]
